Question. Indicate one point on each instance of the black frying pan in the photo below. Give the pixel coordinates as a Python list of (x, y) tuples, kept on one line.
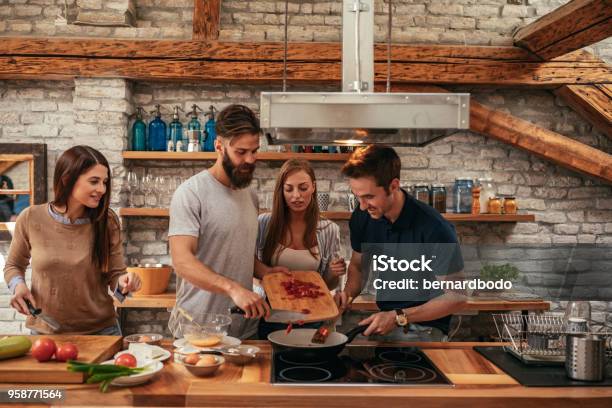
[(299, 341)]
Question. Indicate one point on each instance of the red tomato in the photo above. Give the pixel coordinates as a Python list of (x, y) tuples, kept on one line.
[(43, 349), (66, 352), (126, 359)]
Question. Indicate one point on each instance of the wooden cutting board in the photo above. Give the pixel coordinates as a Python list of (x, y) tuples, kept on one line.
[(26, 369), (321, 308)]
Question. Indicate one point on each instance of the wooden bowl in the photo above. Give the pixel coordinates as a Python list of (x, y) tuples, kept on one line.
[(153, 277)]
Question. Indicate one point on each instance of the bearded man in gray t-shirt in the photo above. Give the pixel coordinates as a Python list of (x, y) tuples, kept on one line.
[(213, 230)]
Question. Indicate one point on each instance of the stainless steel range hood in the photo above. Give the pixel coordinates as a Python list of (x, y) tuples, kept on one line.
[(358, 115)]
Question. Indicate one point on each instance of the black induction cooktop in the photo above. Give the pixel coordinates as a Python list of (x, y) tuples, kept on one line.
[(358, 365)]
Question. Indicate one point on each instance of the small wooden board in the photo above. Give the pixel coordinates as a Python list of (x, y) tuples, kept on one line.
[(26, 369), (321, 308)]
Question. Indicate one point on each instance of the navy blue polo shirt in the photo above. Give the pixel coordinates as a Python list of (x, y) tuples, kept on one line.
[(417, 223)]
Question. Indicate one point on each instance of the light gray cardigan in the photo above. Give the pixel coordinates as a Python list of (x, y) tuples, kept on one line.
[(328, 240)]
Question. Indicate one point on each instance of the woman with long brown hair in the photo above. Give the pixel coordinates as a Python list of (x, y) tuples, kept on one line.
[(74, 245), (294, 235)]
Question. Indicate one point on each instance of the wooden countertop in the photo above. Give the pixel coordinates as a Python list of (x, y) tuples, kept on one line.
[(478, 383), (361, 303)]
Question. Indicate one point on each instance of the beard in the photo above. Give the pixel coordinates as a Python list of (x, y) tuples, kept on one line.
[(240, 176)]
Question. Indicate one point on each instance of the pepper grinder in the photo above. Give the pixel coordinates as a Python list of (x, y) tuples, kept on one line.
[(476, 199)]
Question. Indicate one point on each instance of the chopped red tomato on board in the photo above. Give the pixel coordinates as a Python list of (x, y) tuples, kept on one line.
[(289, 328), (300, 289)]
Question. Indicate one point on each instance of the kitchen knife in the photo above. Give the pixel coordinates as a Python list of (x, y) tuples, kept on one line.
[(37, 313), (278, 315)]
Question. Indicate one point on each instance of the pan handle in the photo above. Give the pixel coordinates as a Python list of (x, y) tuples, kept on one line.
[(351, 334)]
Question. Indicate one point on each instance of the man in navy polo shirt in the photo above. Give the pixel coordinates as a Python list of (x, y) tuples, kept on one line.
[(389, 215)]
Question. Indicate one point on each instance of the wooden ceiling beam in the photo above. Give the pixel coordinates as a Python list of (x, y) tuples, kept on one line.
[(574, 25), (542, 142), (266, 51), (208, 60), (206, 17), (592, 102), (534, 139), (475, 73)]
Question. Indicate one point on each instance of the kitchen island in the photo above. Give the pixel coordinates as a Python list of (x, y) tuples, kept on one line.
[(477, 383)]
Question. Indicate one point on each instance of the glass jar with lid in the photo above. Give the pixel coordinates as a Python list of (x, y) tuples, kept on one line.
[(486, 191), (462, 195), (510, 205), (438, 197), (494, 206), (421, 192)]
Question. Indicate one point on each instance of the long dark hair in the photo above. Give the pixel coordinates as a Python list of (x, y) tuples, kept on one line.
[(279, 223), (70, 165)]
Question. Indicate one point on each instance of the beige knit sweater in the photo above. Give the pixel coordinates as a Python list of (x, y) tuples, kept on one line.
[(66, 284)]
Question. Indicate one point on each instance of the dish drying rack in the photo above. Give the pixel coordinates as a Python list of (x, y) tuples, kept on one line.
[(540, 338)]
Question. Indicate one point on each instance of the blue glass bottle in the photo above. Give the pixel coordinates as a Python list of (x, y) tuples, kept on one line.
[(157, 132), (194, 124), (211, 132), (139, 132), (176, 131)]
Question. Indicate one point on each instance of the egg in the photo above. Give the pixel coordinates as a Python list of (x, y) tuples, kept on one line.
[(191, 358), (207, 360)]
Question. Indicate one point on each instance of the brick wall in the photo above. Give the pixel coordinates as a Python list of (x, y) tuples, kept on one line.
[(153, 19)]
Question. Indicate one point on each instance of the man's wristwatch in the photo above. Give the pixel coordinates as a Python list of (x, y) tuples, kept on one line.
[(401, 319)]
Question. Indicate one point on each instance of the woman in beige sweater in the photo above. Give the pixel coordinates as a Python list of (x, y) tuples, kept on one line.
[(74, 245)]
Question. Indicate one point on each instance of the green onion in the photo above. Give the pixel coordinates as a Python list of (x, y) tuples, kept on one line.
[(102, 373)]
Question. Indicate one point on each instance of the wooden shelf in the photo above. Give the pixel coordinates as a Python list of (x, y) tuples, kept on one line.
[(489, 217), (361, 303), (269, 156), (345, 215)]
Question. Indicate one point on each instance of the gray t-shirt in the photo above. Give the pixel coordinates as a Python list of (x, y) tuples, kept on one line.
[(225, 222)]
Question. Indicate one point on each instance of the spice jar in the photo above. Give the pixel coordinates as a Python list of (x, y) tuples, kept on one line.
[(438, 197), (494, 206), (421, 193), (510, 205)]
